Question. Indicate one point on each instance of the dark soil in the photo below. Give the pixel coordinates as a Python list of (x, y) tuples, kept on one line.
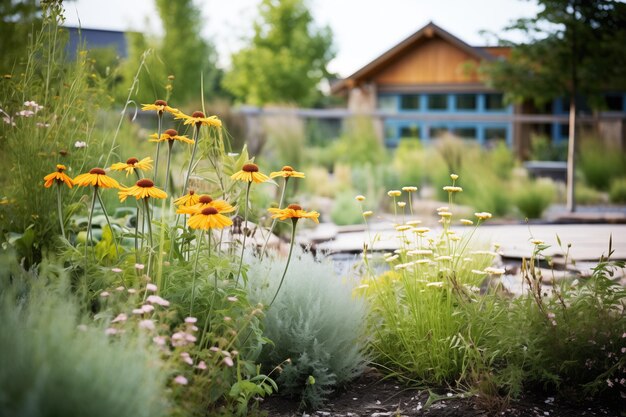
[(373, 396)]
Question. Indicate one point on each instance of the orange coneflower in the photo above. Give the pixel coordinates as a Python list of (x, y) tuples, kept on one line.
[(96, 177), (160, 106), (287, 172), (59, 177), (142, 189), (189, 199), (205, 201), (170, 135), (250, 173), (132, 164), (294, 212), (209, 218), (198, 119)]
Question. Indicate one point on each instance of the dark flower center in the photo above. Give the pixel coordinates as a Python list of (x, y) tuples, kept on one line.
[(209, 211), (98, 171), (191, 192), (287, 168), (132, 161), (145, 183), (250, 168), (60, 169), (171, 132), (63, 152), (294, 207), (160, 103), (205, 199), (197, 114)]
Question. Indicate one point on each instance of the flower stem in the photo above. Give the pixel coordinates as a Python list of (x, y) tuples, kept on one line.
[(280, 205), (193, 154), (156, 159), (195, 270), (93, 205), (293, 239), (243, 230), (147, 215), (167, 169), (106, 216), (60, 209)]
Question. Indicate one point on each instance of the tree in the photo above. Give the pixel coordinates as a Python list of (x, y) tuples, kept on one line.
[(185, 53), (19, 19), (576, 52), (286, 58)]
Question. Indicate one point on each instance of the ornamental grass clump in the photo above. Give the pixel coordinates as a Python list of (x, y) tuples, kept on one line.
[(315, 324)]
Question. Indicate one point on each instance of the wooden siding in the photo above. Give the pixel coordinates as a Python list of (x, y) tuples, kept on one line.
[(435, 60)]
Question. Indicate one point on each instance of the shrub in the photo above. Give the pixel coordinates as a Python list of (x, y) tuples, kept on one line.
[(315, 322), (346, 211), (360, 144), (56, 362), (586, 195), (617, 193), (532, 198), (600, 164)]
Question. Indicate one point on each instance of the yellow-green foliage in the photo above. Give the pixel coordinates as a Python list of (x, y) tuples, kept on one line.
[(617, 192), (533, 197)]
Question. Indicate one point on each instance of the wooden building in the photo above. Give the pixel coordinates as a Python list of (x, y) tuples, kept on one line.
[(428, 84)]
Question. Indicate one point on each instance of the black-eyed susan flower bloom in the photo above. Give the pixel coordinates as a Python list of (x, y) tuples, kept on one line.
[(287, 172), (294, 212), (250, 173), (160, 106), (198, 119), (59, 177), (133, 164), (188, 200), (96, 177), (170, 136), (205, 201), (209, 218), (142, 189)]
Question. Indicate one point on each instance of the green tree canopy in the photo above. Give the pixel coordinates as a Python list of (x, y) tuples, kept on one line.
[(19, 19), (286, 58), (576, 47)]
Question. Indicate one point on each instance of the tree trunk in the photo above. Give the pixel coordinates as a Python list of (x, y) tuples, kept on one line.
[(571, 153)]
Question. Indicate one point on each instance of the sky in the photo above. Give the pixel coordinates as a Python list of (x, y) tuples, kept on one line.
[(362, 29)]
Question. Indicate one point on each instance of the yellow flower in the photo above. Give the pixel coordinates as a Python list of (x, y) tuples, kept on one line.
[(142, 189), (59, 177), (454, 177), (368, 213), (197, 119), (189, 199), (359, 198), (401, 204), (451, 189), (409, 189), (293, 211), (209, 218), (466, 222), (132, 164), (160, 106), (96, 177), (170, 135), (205, 201), (537, 242), (287, 172), (394, 193), (483, 215), (250, 173)]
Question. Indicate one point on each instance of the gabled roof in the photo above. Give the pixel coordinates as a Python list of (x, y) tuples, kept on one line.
[(427, 32)]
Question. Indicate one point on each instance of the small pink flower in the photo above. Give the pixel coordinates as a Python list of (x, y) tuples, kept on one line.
[(151, 287), (551, 315), (147, 308), (138, 311), (228, 362), (146, 324), (120, 317), (193, 328), (232, 299), (190, 338), (191, 320), (227, 319), (214, 349), (201, 365), (80, 144), (104, 294), (159, 340), (116, 270), (110, 331), (186, 358), (155, 299), (181, 380), (140, 266), (132, 291), (120, 288)]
